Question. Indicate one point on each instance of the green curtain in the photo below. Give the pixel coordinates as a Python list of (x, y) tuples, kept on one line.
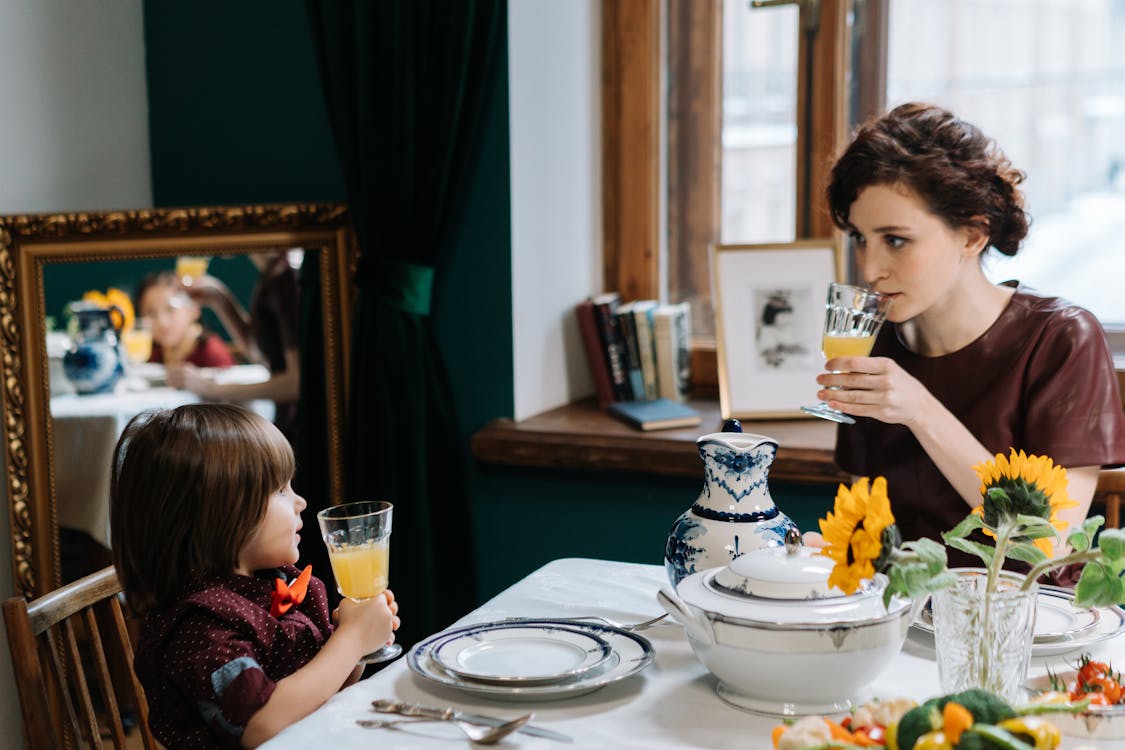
[(406, 84)]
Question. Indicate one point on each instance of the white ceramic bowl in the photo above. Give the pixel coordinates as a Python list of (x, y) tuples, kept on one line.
[(815, 654), (1096, 723)]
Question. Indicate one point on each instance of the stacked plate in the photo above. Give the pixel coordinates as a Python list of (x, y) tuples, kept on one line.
[(1060, 627), (530, 659)]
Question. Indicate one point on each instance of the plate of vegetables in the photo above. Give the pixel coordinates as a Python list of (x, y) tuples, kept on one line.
[(969, 720), (1095, 682)]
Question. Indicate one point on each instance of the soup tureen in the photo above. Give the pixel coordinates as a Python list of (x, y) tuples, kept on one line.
[(779, 639)]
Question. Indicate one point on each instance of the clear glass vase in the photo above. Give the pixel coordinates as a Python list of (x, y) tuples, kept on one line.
[(983, 640)]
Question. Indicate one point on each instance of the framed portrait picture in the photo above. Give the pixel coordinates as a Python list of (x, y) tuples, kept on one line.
[(769, 315)]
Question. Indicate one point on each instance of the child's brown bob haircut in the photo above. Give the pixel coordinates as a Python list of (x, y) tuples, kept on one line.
[(188, 487)]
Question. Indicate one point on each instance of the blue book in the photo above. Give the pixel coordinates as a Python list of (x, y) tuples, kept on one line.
[(657, 414)]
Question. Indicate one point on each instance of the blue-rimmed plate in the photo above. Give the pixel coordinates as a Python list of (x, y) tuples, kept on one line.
[(521, 654), (630, 653)]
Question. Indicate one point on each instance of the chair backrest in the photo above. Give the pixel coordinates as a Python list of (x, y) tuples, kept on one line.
[(46, 637), (1108, 495)]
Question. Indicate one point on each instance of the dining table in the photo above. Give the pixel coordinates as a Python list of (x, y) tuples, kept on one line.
[(670, 704)]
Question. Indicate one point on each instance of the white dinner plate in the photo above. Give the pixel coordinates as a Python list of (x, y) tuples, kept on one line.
[(630, 653), (1110, 622), (520, 654), (1056, 617)]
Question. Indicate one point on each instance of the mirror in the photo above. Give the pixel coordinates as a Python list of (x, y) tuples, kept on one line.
[(32, 247)]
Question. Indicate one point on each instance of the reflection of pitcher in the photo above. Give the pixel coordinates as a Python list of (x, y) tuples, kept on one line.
[(734, 512), (93, 363)]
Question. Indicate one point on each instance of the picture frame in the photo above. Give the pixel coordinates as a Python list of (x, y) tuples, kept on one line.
[(769, 317)]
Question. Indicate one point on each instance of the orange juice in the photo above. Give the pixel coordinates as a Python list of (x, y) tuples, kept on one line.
[(191, 266), (847, 346), (361, 570), (138, 344)]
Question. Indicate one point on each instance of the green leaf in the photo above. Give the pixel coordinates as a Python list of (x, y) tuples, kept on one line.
[(1112, 544), (930, 553), (971, 523), (983, 551), (1026, 552), (1036, 532), (1031, 521), (1079, 540), (1098, 587), (1092, 524)]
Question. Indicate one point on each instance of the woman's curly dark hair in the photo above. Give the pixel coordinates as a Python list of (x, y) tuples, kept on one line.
[(959, 173)]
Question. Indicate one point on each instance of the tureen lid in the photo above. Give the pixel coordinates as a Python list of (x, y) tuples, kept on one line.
[(782, 585), (778, 573)]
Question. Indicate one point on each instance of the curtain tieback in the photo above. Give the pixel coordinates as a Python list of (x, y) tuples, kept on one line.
[(406, 286)]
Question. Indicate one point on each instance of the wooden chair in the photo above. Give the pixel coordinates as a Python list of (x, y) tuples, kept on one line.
[(1109, 492), (55, 696)]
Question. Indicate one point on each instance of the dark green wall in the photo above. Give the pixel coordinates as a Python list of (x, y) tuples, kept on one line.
[(235, 112), (236, 116)]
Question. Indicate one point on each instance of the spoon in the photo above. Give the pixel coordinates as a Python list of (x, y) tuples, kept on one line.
[(480, 734)]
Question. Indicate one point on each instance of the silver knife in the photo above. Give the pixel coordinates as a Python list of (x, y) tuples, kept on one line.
[(413, 709)]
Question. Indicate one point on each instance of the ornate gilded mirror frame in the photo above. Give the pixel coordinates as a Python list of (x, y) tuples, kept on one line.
[(28, 242)]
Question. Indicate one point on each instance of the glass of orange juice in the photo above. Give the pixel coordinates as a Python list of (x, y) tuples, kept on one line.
[(358, 536), (137, 342), (853, 316), (191, 267)]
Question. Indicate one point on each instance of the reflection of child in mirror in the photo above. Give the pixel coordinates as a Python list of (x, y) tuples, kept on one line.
[(177, 335), (267, 332)]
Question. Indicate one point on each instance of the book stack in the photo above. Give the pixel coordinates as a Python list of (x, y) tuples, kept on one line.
[(639, 354)]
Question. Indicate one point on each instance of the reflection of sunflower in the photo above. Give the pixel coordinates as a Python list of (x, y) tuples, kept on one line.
[(114, 298), (1032, 485), (854, 532)]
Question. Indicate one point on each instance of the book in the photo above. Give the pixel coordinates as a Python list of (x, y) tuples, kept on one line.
[(671, 326), (605, 314), (628, 331), (595, 355), (658, 414), (642, 328)]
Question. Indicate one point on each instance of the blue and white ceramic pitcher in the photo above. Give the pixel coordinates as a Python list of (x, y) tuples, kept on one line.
[(93, 363), (734, 512)]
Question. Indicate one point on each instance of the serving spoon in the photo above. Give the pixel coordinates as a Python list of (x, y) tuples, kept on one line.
[(478, 733)]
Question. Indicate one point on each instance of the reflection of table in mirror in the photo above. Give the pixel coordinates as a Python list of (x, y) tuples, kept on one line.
[(85, 429)]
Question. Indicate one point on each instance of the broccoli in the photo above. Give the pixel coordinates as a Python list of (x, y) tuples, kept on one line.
[(985, 707)]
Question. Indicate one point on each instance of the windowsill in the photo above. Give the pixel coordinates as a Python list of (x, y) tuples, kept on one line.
[(582, 437)]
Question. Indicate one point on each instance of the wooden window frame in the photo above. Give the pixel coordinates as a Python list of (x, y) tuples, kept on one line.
[(634, 43)]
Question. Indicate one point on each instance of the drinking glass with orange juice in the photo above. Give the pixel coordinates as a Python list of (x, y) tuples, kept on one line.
[(358, 537), (137, 342), (852, 319), (191, 267)]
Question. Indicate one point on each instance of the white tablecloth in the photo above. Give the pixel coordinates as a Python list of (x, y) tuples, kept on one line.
[(671, 704), (84, 431)]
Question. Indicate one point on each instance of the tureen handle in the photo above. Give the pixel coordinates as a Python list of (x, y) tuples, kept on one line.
[(697, 626)]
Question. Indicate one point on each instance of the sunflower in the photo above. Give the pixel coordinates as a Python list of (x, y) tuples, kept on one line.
[(854, 532), (114, 297), (1030, 485)]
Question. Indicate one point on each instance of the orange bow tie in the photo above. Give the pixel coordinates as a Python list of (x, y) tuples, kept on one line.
[(286, 596)]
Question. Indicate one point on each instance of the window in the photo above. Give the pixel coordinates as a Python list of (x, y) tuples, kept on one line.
[(758, 99)]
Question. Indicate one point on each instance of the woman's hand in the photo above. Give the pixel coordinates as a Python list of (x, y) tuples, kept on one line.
[(874, 387)]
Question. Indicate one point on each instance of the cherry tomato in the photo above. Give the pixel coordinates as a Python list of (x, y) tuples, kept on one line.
[(1107, 686), (1096, 699), (1092, 669)]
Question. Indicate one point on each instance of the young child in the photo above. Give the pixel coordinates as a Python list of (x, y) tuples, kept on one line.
[(177, 335), (205, 532)]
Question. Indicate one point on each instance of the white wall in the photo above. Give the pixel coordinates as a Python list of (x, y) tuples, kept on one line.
[(73, 136), (555, 119)]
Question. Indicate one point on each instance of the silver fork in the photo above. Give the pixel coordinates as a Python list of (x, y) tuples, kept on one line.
[(632, 628)]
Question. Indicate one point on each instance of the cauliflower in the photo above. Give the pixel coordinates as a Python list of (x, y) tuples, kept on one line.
[(810, 731), (881, 713)]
